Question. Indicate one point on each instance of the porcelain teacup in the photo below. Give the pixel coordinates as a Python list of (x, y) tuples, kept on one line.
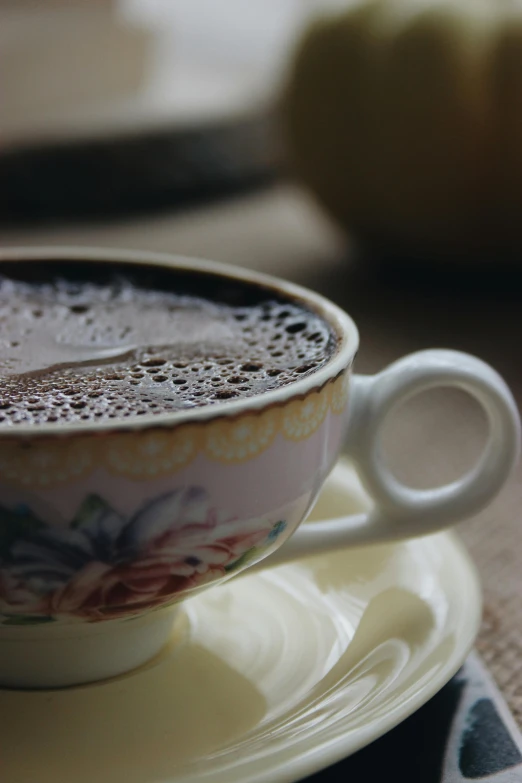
[(105, 528)]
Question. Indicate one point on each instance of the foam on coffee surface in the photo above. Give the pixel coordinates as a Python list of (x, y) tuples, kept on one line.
[(78, 352)]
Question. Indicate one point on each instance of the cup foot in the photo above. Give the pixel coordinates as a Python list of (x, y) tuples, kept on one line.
[(80, 654)]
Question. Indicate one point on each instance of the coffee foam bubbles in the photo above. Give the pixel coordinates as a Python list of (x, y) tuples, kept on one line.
[(73, 352)]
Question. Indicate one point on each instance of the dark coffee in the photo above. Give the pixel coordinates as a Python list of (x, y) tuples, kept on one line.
[(96, 342)]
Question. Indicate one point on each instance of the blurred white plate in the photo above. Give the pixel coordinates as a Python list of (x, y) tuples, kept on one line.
[(77, 71)]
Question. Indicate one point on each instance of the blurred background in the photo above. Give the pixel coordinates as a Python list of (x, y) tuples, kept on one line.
[(111, 105), (371, 151)]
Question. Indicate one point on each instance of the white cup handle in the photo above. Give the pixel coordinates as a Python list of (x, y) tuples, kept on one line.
[(401, 511)]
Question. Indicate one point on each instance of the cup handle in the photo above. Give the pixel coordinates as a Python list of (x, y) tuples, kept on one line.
[(401, 511)]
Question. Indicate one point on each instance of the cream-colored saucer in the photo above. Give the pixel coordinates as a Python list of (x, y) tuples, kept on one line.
[(268, 678)]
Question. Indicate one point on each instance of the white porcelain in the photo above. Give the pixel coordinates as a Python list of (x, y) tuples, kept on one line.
[(107, 524), (268, 678)]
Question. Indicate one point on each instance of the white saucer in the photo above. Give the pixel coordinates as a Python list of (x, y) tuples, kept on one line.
[(268, 678)]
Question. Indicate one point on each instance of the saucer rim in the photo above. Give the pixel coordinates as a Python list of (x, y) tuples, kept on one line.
[(320, 758), (341, 748)]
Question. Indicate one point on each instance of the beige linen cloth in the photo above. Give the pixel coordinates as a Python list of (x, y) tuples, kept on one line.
[(280, 231)]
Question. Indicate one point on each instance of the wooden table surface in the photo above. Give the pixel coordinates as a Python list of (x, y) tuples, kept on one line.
[(280, 231)]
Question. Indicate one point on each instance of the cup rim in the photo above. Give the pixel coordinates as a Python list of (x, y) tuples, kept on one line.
[(342, 323)]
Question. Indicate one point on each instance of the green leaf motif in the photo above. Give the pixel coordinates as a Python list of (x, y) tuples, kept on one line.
[(276, 531), (91, 507), (15, 524), (25, 619), (243, 560)]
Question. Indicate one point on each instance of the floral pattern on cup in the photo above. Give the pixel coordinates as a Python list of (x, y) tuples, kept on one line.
[(106, 566)]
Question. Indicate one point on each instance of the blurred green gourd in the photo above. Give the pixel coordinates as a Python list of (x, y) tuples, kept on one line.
[(404, 117)]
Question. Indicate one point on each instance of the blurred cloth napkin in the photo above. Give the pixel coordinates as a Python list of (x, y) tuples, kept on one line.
[(464, 733)]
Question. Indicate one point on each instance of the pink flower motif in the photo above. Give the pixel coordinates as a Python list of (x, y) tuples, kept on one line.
[(17, 598), (105, 565), (172, 566)]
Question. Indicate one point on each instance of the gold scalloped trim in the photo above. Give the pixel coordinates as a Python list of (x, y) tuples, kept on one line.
[(153, 454), (47, 463), (339, 393), (241, 439), (301, 418), (160, 452)]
